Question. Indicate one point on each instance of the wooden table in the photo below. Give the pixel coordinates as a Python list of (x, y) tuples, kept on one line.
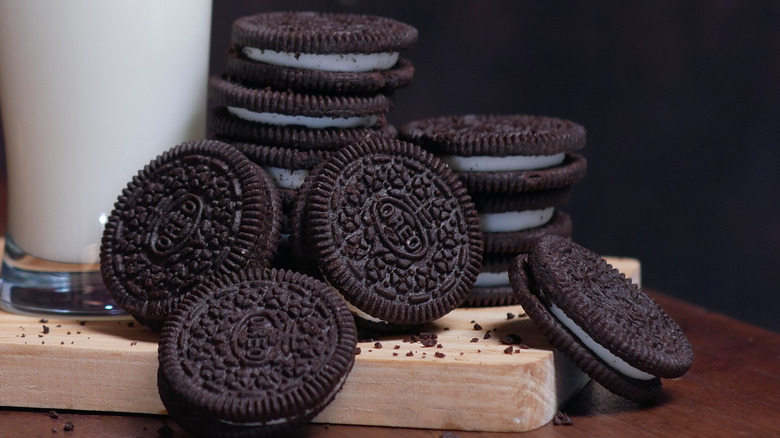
[(733, 389)]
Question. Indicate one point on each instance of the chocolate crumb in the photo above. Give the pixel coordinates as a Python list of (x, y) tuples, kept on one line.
[(439, 346), (409, 354), (62, 342), (43, 342), (23, 335), (562, 419), (82, 323), (43, 321), (67, 427), (446, 329), (439, 354), (523, 346), (477, 327), (508, 350), (68, 332), (461, 353), (40, 335), (474, 339), (487, 335), (396, 347), (510, 315), (131, 324), (472, 321), (377, 345), (395, 354), (479, 351), (53, 414), (510, 339), (429, 342), (133, 343), (357, 350)]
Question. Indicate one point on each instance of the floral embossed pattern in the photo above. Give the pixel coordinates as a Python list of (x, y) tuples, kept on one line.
[(394, 232), (261, 348), (187, 215)]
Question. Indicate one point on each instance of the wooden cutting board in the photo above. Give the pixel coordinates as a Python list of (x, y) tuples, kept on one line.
[(473, 383)]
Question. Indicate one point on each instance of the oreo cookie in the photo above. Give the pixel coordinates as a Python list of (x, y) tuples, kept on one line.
[(255, 353), (394, 231), (323, 53), (504, 153), (492, 287), (198, 210), (606, 324)]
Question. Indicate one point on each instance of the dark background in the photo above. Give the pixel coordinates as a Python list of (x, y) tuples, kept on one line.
[(681, 101)]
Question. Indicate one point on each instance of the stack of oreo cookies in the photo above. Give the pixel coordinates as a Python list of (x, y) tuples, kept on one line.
[(518, 170), (300, 85)]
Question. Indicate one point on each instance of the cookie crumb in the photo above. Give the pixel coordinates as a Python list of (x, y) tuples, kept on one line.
[(45, 329), (562, 419), (132, 344), (510, 339), (409, 354), (67, 427), (439, 354), (395, 354), (487, 335), (396, 347), (474, 340), (509, 350), (377, 345), (510, 315), (357, 351), (477, 326), (43, 321), (53, 414)]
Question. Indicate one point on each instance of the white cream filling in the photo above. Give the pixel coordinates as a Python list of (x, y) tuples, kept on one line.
[(514, 220), (492, 279), (309, 122), (335, 62), (615, 362), (286, 178), (478, 163)]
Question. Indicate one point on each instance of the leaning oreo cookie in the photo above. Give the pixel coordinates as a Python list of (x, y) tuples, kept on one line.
[(199, 209), (610, 328), (323, 53), (394, 231), (254, 353), (504, 153)]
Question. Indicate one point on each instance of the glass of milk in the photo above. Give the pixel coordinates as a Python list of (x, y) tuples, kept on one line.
[(90, 92)]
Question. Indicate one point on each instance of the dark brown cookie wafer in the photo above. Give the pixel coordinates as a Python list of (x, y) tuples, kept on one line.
[(634, 342), (529, 200), (255, 353), (316, 32), (198, 210), (394, 231), (522, 241), (495, 135), (228, 126)]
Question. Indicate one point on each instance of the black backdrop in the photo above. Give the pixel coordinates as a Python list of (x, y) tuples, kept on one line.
[(681, 100)]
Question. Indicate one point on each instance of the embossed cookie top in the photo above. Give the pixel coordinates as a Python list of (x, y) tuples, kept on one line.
[(317, 32), (260, 348), (394, 231), (193, 212), (495, 135), (613, 311)]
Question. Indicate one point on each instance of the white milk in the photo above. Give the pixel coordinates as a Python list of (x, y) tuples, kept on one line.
[(90, 92)]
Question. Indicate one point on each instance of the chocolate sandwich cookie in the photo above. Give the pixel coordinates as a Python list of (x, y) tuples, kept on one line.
[(199, 209), (606, 324), (492, 287), (504, 153), (324, 53), (287, 167), (230, 126), (254, 353), (394, 231)]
